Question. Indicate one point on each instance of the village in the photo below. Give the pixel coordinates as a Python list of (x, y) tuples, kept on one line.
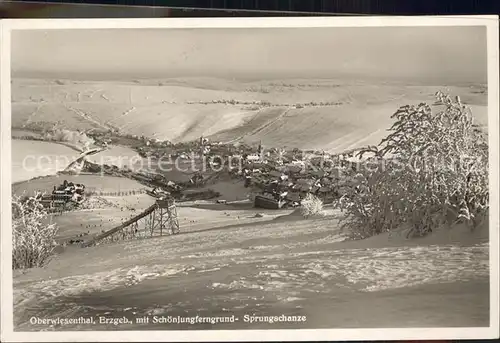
[(275, 177)]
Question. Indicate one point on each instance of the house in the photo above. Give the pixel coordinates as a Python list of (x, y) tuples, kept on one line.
[(304, 182), (325, 181), (293, 169), (293, 197), (283, 177), (317, 161), (253, 157), (275, 173), (274, 164), (258, 164), (268, 202), (319, 173)]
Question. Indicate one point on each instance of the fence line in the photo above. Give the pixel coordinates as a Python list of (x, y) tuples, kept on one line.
[(94, 192)]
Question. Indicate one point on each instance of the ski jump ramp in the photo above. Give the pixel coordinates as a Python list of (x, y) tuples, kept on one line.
[(157, 220)]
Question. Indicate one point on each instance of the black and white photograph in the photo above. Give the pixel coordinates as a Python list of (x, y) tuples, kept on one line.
[(194, 178)]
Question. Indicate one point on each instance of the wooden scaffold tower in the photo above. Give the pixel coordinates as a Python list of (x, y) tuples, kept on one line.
[(164, 220)]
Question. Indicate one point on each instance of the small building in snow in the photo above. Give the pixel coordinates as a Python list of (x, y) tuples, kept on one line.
[(253, 157)]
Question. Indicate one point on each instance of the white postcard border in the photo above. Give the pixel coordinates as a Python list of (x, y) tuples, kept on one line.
[(7, 333)]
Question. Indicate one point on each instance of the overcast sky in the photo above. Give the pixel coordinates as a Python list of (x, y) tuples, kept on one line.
[(420, 53)]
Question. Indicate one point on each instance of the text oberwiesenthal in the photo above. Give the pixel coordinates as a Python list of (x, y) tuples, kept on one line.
[(167, 320)]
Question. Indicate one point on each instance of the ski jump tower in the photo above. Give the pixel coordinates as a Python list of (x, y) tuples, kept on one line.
[(157, 220), (164, 218)]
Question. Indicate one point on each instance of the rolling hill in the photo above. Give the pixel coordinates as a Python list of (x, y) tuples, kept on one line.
[(309, 114)]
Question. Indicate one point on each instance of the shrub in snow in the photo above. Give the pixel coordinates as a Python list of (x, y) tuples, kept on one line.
[(311, 206), (432, 169), (32, 236)]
